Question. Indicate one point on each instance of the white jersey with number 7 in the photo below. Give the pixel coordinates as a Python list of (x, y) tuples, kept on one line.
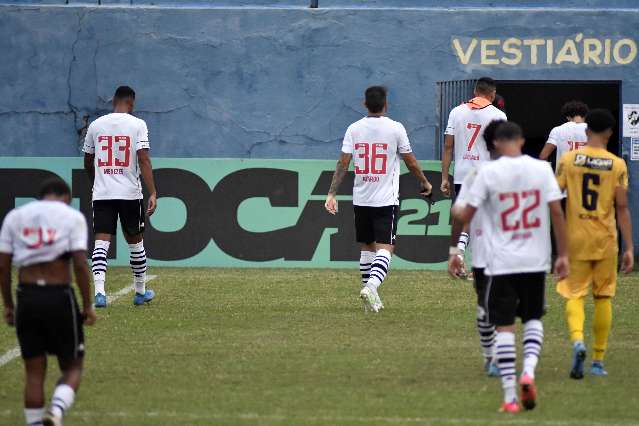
[(467, 123), (115, 139), (514, 193), (375, 143)]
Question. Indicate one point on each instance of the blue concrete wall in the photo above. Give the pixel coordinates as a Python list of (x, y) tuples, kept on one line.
[(269, 82)]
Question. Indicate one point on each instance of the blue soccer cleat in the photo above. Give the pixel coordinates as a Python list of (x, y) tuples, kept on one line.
[(597, 369), (491, 369), (141, 299), (578, 358), (100, 300)]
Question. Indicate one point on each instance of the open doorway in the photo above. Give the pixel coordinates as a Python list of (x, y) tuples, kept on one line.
[(536, 106)]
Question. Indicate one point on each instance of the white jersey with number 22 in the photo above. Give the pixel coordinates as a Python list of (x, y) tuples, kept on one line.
[(375, 143)]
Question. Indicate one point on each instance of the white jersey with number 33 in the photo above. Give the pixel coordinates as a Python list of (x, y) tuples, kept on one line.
[(115, 139), (376, 143), (514, 193)]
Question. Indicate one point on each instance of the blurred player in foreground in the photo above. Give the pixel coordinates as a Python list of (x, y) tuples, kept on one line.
[(116, 151), (518, 195), (375, 141), (569, 136), (596, 183), (42, 238), (465, 133), (480, 254)]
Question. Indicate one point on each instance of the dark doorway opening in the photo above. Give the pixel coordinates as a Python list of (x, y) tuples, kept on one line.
[(536, 106)]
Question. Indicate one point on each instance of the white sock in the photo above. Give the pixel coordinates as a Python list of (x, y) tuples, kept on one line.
[(379, 268), (137, 260), (365, 261), (99, 264), (62, 400), (506, 357), (533, 339), (34, 416), (463, 241)]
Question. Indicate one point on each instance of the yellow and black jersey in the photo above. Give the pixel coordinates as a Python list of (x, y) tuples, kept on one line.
[(590, 177)]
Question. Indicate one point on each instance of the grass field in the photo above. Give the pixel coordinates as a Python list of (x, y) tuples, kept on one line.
[(288, 347)]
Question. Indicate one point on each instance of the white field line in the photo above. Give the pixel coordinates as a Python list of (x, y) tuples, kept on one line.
[(13, 353), (258, 418)]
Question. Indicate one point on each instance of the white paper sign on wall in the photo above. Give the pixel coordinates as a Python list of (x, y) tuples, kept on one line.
[(631, 120)]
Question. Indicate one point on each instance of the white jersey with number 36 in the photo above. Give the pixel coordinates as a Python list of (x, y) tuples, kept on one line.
[(376, 143), (115, 139), (514, 193), (467, 123)]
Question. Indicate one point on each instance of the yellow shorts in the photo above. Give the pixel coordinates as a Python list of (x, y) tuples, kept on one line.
[(602, 274)]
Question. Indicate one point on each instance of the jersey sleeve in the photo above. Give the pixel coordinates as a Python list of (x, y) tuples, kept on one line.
[(79, 234), (562, 169), (622, 174), (478, 191), (143, 137), (403, 144), (450, 127), (552, 191), (89, 140), (347, 143), (6, 234), (554, 137)]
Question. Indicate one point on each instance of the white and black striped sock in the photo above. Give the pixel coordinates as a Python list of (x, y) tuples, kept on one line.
[(533, 340), (506, 356), (379, 268), (365, 261), (486, 333), (34, 416), (62, 400), (99, 264), (463, 241), (137, 260)]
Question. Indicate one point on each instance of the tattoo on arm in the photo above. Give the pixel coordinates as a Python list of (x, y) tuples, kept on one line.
[(338, 177)]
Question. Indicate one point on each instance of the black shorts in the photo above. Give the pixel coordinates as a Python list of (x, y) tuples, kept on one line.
[(457, 191), (48, 321), (106, 213), (481, 284), (516, 295), (376, 224)]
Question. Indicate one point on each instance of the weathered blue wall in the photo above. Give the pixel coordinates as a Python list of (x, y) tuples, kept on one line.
[(274, 82)]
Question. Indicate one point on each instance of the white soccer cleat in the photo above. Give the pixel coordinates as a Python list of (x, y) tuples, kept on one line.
[(369, 298), (50, 419)]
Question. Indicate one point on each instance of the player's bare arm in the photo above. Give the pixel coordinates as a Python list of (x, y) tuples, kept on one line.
[(5, 287), (413, 166), (81, 272), (625, 225), (340, 171), (447, 158), (144, 159), (89, 166), (547, 151), (463, 215), (559, 229)]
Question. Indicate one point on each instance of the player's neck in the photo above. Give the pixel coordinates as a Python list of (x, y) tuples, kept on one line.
[(121, 109), (597, 143), (375, 114), (511, 151), (578, 119)]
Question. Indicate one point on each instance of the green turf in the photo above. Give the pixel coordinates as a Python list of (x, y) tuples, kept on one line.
[(288, 347)]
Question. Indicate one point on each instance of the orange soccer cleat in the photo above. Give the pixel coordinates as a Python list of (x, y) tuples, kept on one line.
[(528, 392)]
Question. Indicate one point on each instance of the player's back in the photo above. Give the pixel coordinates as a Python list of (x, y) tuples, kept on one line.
[(467, 123), (375, 143), (590, 177), (115, 139), (517, 191), (568, 137), (42, 231)]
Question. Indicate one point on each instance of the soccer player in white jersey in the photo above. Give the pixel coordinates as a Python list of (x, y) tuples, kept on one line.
[(465, 134), (569, 136), (518, 194), (480, 254), (375, 144), (42, 239), (116, 151)]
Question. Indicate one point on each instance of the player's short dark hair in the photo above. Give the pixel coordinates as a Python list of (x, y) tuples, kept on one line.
[(54, 186), (489, 133), (600, 120), (123, 92), (485, 85), (375, 99), (507, 131), (574, 109)]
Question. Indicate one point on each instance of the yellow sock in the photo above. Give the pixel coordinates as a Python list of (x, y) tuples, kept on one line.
[(576, 315), (601, 325)]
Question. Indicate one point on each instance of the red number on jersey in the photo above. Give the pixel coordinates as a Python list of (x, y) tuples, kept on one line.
[(477, 128), (127, 151), (124, 145), (371, 161), (526, 222), (576, 145), (108, 147)]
